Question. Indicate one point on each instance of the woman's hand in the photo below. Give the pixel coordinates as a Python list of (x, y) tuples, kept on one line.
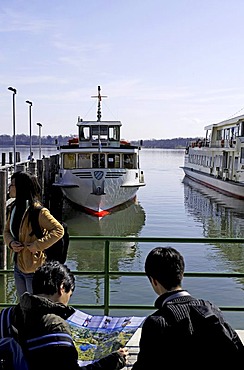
[(16, 246)]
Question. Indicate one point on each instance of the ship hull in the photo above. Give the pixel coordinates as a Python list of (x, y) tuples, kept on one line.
[(227, 187), (100, 190)]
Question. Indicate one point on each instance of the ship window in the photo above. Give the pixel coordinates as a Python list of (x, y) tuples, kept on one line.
[(113, 160), (99, 132), (113, 133), (117, 160), (69, 161), (219, 135), (98, 160), (236, 163), (242, 155), (84, 160), (84, 133), (129, 161)]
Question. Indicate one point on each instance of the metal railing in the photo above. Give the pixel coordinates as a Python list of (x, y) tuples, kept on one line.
[(106, 272)]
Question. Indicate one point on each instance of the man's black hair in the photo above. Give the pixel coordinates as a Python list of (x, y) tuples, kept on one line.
[(166, 265), (50, 276)]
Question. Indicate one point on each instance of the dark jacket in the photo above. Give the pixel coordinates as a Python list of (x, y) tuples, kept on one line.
[(37, 316), (170, 336)]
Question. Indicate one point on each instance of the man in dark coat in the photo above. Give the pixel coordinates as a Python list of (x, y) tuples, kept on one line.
[(45, 312), (183, 330)]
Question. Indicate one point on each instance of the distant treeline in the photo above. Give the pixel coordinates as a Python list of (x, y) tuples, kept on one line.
[(7, 140), (177, 143)]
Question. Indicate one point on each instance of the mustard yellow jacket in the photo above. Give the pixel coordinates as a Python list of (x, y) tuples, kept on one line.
[(28, 262)]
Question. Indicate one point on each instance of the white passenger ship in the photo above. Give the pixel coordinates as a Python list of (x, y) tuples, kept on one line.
[(217, 160), (99, 171)]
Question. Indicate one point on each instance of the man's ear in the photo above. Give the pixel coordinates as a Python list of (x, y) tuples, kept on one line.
[(154, 282), (61, 290)]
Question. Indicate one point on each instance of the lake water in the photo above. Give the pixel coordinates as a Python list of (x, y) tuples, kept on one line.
[(168, 206)]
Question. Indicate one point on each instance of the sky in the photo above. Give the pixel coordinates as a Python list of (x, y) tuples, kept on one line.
[(167, 68)]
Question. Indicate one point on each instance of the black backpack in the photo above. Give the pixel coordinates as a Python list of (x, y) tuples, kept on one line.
[(11, 353), (59, 250), (205, 333), (15, 354)]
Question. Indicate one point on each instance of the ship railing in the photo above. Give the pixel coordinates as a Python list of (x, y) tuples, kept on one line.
[(106, 273)]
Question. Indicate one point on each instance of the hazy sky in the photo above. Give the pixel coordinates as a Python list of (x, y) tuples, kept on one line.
[(169, 68)]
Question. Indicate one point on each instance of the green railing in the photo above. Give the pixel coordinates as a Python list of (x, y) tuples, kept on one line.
[(106, 272)]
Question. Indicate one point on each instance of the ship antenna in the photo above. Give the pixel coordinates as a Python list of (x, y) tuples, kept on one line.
[(99, 97)]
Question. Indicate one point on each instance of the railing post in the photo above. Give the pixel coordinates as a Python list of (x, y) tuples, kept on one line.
[(3, 198), (10, 158), (106, 277), (3, 159), (3, 248)]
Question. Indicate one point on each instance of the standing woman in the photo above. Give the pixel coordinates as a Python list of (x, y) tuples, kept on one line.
[(28, 251)]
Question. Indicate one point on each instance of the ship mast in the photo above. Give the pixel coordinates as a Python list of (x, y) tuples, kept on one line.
[(99, 97)]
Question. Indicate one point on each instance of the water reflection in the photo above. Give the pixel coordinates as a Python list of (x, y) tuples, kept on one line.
[(89, 255), (222, 217), (127, 221)]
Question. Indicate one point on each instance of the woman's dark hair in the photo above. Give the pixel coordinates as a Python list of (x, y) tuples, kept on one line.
[(27, 187), (50, 276), (28, 191), (166, 265)]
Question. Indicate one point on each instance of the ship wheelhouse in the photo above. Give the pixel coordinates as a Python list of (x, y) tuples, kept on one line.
[(98, 145), (99, 133)]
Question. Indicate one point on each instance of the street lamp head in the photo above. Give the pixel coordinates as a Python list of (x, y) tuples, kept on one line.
[(39, 124), (12, 89), (29, 102)]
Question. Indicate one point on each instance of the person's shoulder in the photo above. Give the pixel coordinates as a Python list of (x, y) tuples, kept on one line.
[(56, 324), (205, 310), (208, 305), (155, 319)]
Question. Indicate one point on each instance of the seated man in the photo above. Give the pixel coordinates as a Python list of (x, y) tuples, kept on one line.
[(40, 319), (183, 328)]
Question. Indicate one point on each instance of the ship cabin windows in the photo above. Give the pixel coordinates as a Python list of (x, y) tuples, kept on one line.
[(99, 133), (129, 161), (99, 160), (242, 155), (113, 160), (69, 161), (84, 133), (219, 135), (242, 129), (84, 160), (236, 160), (205, 161), (113, 133)]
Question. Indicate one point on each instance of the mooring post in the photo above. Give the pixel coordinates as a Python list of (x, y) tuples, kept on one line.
[(3, 200), (3, 159)]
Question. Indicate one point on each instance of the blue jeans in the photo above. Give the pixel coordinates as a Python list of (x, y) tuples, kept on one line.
[(23, 282)]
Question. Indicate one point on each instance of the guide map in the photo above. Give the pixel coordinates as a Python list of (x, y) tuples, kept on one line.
[(97, 336)]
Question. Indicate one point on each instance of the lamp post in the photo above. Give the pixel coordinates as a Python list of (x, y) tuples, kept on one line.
[(30, 105), (14, 135), (40, 144)]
